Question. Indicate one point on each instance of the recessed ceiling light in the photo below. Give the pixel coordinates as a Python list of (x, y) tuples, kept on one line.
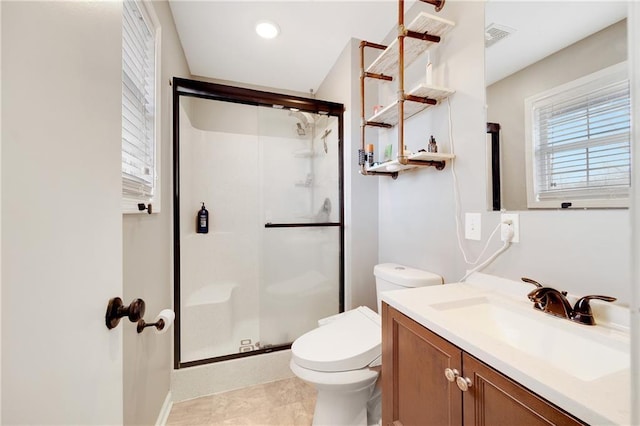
[(267, 29)]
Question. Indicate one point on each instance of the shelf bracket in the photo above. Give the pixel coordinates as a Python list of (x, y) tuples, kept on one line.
[(439, 165), (423, 36), (365, 43), (393, 175), (422, 100), (378, 124), (378, 76)]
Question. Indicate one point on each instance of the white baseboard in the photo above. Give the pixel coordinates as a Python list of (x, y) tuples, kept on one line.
[(165, 410)]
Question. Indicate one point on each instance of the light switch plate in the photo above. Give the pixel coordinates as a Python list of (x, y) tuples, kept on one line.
[(473, 226)]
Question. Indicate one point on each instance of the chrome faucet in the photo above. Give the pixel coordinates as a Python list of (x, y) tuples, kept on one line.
[(554, 302)]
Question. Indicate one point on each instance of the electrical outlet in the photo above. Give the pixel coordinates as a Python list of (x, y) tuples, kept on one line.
[(513, 218), (472, 226)]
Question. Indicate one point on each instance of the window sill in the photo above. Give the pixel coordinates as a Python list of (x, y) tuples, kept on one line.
[(621, 203), (131, 207)]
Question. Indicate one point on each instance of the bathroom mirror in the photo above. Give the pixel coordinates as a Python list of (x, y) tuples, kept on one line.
[(531, 47)]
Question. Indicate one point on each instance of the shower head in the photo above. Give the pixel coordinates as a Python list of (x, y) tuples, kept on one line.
[(305, 121), (302, 117)]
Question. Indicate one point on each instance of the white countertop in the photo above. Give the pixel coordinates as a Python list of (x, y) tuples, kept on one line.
[(598, 389)]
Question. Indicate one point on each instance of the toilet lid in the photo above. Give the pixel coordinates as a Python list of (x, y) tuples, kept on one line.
[(350, 342)]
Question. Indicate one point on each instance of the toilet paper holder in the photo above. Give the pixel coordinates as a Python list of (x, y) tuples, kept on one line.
[(162, 322), (116, 310), (159, 325)]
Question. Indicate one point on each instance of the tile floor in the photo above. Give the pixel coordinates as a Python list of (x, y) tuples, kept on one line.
[(284, 402)]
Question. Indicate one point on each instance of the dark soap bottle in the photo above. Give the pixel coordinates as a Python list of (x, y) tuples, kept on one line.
[(202, 223)]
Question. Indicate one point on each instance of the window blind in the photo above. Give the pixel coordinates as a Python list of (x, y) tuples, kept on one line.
[(582, 142), (138, 103)]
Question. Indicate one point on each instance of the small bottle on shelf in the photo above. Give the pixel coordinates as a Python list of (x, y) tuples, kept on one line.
[(433, 146), (370, 154), (202, 223)]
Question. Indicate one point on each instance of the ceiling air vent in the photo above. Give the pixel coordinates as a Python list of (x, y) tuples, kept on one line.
[(494, 33)]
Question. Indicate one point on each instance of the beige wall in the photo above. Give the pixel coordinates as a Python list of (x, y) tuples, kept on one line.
[(147, 260), (360, 193)]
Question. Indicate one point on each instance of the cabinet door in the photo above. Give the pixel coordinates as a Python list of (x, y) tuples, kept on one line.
[(495, 400), (415, 390)]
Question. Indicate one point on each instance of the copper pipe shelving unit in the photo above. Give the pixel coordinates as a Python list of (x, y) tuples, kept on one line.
[(430, 98)]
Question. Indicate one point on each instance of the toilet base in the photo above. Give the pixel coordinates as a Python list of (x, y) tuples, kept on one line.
[(343, 397), (335, 408)]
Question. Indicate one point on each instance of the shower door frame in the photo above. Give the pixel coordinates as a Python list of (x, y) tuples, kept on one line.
[(225, 93)]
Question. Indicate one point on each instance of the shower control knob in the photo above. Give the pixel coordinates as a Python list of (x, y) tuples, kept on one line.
[(451, 374), (464, 383)]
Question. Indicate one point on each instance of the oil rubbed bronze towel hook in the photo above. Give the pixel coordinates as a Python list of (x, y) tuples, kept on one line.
[(117, 310)]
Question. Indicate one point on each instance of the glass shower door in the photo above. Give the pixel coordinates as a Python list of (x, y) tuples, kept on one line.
[(301, 243), (220, 269), (270, 265)]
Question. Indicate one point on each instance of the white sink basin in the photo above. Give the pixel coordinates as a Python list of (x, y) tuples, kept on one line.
[(576, 349)]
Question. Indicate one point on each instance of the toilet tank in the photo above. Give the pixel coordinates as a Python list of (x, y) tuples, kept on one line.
[(392, 276)]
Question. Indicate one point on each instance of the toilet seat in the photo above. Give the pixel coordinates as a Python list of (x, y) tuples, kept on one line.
[(350, 342), (344, 380)]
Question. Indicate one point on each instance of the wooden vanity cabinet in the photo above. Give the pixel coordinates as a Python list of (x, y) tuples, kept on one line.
[(416, 392)]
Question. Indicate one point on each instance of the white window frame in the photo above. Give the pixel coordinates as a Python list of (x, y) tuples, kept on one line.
[(130, 203), (615, 73), (584, 85)]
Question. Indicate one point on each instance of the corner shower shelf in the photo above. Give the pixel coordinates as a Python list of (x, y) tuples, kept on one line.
[(387, 62), (388, 116), (428, 158)]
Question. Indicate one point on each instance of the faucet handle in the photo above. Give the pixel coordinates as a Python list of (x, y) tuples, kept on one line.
[(582, 309), (530, 281), (537, 304), (537, 284)]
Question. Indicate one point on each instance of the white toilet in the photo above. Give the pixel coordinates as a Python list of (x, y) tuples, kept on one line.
[(339, 357)]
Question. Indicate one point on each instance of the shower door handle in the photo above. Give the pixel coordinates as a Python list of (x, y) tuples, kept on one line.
[(300, 225)]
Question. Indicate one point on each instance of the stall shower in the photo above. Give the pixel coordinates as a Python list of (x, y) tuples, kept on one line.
[(268, 168)]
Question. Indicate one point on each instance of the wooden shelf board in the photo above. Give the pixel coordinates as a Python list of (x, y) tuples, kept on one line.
[(387, 62), (389, 114), (395, 166)]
